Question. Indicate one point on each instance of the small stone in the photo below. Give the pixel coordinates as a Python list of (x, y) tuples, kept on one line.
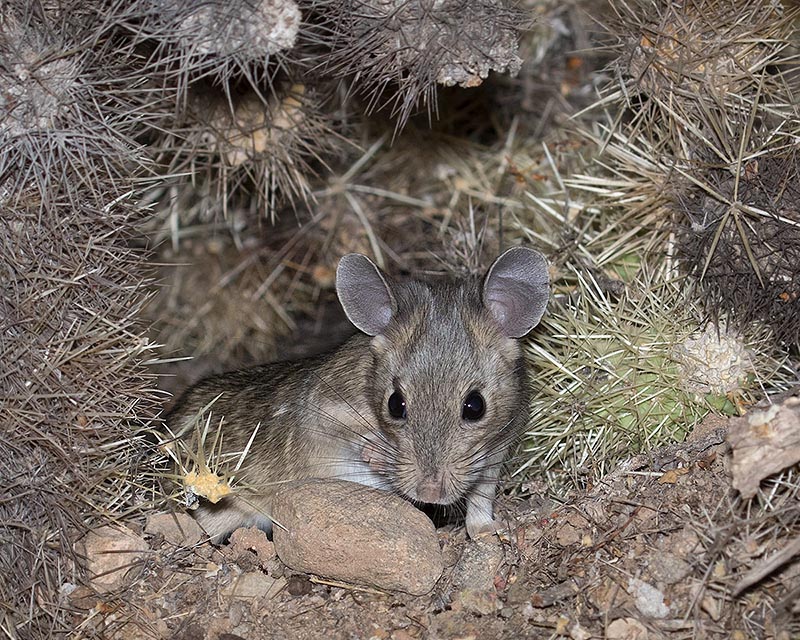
[(528, 612), (192, 632), (252, 539), (236, 612), (668, 568), (299, 585), (252, 585), (685, 543), (712, 607), (378, 633), (352, 533), (481, 602), (627, 629), (478, 564), (109, 553), (474, 576), (518, 591), (577, 632), (572, 529), (648, 599), (178, 529)]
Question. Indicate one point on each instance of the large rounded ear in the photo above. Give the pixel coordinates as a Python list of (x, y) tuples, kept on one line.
[(364, 294), (516, 290)]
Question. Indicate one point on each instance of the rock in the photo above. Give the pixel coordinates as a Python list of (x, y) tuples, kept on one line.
[(474, 576), (712, 607), (648, 599), (299, 585), (255, 540), (577, 632), (178, 529), (109, 553), (478, 564), (482, 602), (765, 441), (192, 632), (352, 533), (250, 549), (627, 629), (573, 529), (667, 567), (253, 585)]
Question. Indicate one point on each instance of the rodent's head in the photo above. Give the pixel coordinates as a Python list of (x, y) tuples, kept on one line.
[(448, 381)]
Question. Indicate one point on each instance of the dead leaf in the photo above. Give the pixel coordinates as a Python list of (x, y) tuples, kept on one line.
[(671, 476)]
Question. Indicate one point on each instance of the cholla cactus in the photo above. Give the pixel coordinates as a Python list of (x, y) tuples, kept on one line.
[(703, 147), (396, 51), (715, 361), (680, 62), (739, 235), (620, 372), (252, 149), (183, 42), (68, 113), (76, 398)]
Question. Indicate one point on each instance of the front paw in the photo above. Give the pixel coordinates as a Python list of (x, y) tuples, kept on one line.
[(483, 527)]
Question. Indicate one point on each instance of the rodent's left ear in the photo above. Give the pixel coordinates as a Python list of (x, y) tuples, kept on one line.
[(516, 290), (364, 294)]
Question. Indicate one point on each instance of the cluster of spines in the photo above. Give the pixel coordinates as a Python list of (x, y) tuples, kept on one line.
[(709, 89)]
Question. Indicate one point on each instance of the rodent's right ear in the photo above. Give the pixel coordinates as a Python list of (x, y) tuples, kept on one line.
[(516, 290), (364, 294)]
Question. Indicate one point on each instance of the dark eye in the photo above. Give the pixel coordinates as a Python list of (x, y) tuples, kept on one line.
[(474, 407), (397, 406)]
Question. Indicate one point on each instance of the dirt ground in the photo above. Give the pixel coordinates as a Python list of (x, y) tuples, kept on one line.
[(654, 550)]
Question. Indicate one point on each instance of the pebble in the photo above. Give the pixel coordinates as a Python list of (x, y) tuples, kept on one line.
[(249, 549), (668, 568), (253, 585), (648, 599), (627, 629), (178, 529), (350, 533), (474, 576), (299, 585), (109, 553), (254, 540)]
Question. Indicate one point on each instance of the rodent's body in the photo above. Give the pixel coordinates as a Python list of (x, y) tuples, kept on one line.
[(337, 415), (303, 432)]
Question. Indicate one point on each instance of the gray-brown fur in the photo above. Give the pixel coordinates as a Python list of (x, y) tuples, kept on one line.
[(328, 416)]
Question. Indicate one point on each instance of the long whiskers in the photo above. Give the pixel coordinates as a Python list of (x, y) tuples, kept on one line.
[(341, 397)]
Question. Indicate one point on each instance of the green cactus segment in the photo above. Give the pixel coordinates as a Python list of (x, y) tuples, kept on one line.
[(616, 376)]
